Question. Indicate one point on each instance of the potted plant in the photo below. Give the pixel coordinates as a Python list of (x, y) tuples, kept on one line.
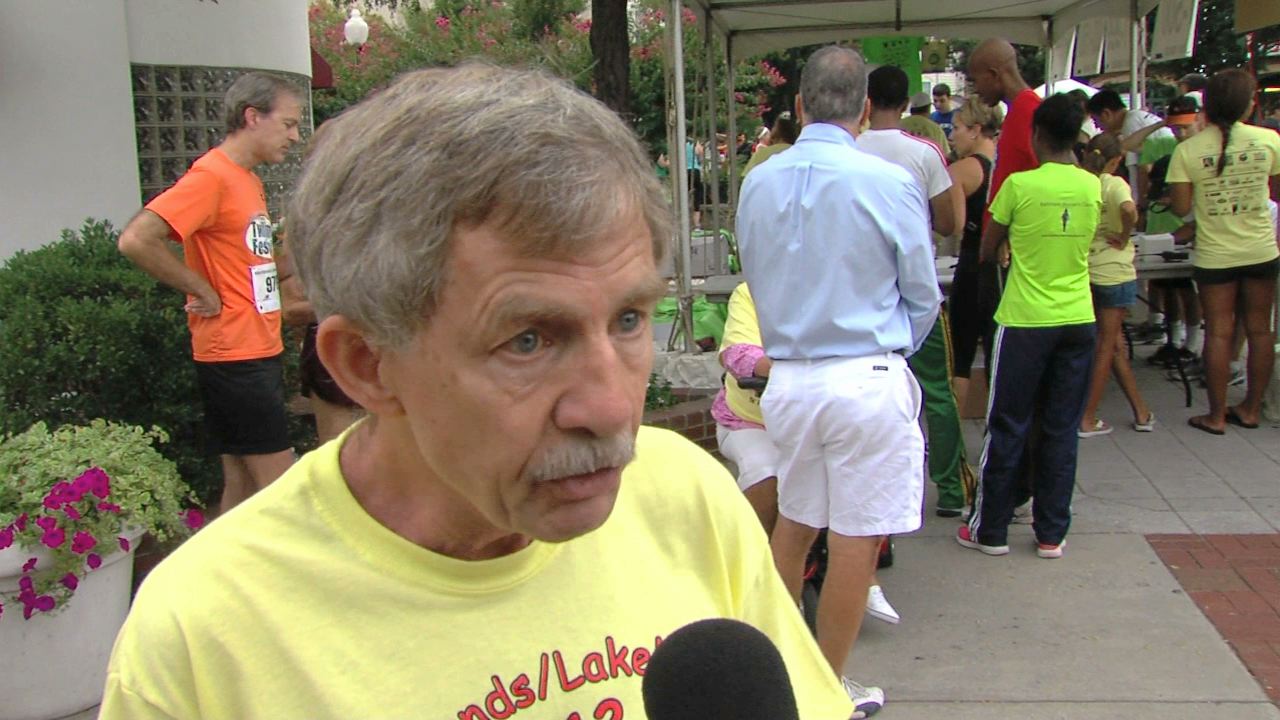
[(73, 503)]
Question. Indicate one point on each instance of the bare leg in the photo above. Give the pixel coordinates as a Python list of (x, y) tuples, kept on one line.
[(1103, 352), (1259, 298), (960, 386), (763, 497), (1123, 372), (851, 564), (237, 482), (791, 542), (1218, 303), (264, 469)]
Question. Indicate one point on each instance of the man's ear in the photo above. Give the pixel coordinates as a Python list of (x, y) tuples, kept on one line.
[(356, 365), (866, 113), (799, 111)]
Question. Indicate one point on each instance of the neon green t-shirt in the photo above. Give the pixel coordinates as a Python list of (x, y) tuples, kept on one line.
[(762, 154), (298, 604), (1052, 213), (1107, 265), (742, 328), (1233, 223)]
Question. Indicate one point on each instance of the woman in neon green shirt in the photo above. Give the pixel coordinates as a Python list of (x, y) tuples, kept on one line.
[(1114, 284), (1224, 170)]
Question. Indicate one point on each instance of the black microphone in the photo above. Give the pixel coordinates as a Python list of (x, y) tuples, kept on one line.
[(718, 669)]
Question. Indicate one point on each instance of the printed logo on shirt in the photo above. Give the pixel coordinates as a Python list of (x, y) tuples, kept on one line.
[(259, 236), (557, 674)]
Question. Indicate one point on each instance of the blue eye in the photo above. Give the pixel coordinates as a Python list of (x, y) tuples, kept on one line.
[(526, 342), (629, 320)]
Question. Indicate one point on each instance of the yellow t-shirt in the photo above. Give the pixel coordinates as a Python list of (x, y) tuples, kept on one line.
[(742, 328), (1107, 265), (1233, 225), (1052, 213), (298, 604), (762, 154)]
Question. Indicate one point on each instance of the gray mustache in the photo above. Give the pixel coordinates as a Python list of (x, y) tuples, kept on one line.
[(580, 456)]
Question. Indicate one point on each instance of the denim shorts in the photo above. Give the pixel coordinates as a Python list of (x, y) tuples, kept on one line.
[(1115, 296)]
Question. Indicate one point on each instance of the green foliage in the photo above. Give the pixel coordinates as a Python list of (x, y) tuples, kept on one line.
[(659, 394), (145, 487), (535, 19)]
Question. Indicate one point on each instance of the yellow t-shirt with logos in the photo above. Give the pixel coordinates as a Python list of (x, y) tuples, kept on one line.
[(1052, 213), (742, 328), (1233, 224), (1107, 265), (298, 604)]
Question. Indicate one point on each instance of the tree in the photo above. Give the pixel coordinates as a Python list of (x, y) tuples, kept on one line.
[(611, 53), (535, 19)]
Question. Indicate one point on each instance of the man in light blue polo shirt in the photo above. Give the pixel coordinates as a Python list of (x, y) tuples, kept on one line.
[(836, 248)]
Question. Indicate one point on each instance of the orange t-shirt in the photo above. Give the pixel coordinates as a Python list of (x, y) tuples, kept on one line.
[(218, 210)]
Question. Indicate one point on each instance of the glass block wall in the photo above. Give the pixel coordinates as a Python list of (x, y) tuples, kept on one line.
[(177, 111)]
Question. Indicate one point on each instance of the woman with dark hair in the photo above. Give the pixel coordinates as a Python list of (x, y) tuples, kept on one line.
[(1223, 172), (1044, 334), (1114, 284)]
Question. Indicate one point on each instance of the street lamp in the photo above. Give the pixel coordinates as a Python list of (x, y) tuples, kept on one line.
[(356, 30)]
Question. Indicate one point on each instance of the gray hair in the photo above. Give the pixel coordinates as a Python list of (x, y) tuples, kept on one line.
[(390, 181), (833, 85), (255, 90)]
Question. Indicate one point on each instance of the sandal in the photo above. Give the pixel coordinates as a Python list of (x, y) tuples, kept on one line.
[(1234, 418), (1148, 426), (1099, 428), (1198, 423)]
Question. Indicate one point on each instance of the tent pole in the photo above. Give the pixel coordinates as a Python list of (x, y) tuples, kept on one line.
[(1049, 79), (709, 74), (1135, 41), (680, 166)]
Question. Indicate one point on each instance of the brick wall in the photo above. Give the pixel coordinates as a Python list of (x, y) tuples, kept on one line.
[(691, 418)]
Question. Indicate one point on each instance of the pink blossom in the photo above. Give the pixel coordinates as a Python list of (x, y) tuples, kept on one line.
[(94, 561), (1, 609), (27, 567), (687, 16), (443, 23), (6, 537), (21, 522), (52, 502), (124, 543), (193, 518), (71, 512), (83, 542), (489, 42), (108, 507), (46, 522), (53, 538), (583, 25), (70, 581), (97, 482)]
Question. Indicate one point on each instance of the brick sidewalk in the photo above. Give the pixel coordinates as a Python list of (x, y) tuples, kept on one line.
[(1235, 581)]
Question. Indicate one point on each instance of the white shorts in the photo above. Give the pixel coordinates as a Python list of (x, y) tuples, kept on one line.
[(752, 450), (851, 450)]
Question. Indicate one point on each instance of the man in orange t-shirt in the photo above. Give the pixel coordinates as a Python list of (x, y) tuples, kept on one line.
[(218, 211)]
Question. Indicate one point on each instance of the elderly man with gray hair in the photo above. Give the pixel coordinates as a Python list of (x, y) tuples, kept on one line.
[(836, 248), (499, 534)]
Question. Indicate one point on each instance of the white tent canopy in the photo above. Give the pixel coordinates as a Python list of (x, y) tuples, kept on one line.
[(1067, 85)]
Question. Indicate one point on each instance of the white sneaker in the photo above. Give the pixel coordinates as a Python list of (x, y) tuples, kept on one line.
[(867, 701), (1022, 514), (879, 608)]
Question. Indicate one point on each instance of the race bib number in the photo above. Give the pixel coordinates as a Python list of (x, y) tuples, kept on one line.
[(266, 287)]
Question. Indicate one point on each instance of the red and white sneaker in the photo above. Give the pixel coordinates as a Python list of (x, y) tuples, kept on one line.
[(1050, 552), (962, 537)]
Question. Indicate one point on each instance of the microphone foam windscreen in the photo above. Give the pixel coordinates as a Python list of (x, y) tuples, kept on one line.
[(718, 670)]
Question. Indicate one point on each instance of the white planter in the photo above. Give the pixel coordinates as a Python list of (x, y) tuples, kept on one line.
[(55, 665)]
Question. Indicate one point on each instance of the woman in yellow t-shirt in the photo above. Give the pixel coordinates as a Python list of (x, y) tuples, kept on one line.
[(1114, 284), (1224, 170)]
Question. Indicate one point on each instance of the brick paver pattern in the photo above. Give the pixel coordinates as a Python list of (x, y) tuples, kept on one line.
[(1235, 581)]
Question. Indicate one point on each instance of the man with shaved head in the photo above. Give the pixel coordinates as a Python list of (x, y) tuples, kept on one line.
[(993, 70)]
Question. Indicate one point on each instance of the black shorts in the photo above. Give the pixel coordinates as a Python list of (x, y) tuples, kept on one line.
[(1172, 283), (244, 406), (1217, 276)]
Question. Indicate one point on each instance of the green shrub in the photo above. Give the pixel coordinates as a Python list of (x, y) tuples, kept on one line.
[(84, 334)]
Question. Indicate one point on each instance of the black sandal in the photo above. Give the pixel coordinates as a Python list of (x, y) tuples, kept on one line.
[(1204, 428), (1234, 418)]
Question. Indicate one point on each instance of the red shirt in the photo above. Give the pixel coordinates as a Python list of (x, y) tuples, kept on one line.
[(1013, 150)]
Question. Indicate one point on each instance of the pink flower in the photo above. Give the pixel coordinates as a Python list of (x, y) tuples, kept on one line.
[(46, 522), (21, 522), (193, 518), (94, 561), (52, 501), (71, 511), (70, 581), (83, 542), (6, 537), (24, 583), (54, 538), (124, 543), (443, 23), (94, 480), (108, 507), (44, 603)]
